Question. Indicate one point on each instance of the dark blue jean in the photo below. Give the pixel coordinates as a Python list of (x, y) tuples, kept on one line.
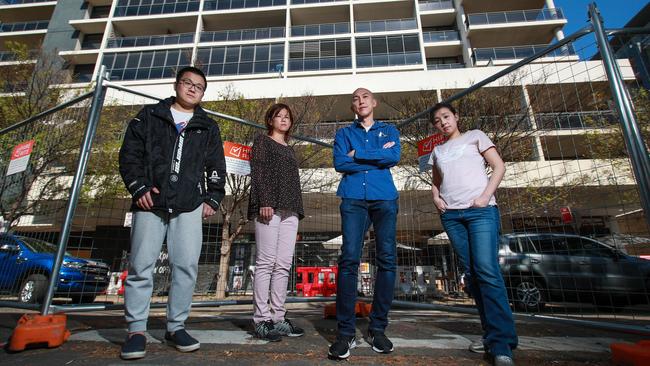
[(474, 234), (356, 217)]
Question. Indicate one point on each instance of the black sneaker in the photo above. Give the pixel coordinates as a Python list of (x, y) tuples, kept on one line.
[(380, 343), (182, 341), (265, 330), (134, 347), (340, 350), (286, 328)]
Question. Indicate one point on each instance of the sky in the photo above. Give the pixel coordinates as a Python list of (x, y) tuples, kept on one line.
[(616, 13)]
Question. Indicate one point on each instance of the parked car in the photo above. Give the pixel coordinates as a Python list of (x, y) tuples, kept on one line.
[(26, 267), (541, 268)]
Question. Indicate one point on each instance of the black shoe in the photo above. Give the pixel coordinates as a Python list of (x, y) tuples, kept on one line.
[(340, 350), (182, 341), (265, 330), (380, 343), (286, 328), (134, 347)]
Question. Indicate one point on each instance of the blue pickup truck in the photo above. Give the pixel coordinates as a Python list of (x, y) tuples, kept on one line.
[(26, 267)]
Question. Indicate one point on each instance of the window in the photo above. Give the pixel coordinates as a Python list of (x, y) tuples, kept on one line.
[(380, 51), (551, 245), (146, 65), (241, 60), (320, 55)]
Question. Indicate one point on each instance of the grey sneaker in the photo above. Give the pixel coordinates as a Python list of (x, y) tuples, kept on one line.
[(265, 330), (502, 360), (477, 346), (286, 328)]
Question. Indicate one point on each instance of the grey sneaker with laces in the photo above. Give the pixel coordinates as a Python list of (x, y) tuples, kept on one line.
[(265, 330), (477, 346), (286, 328)]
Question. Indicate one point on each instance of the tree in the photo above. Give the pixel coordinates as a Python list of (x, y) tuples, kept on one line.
[(30, 88)]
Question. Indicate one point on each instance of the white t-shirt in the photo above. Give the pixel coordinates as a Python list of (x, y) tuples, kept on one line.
[(462, 168), (181, 119)]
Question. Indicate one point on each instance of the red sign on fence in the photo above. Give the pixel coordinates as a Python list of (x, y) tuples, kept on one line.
[(237, 158), (20, 157), (425, 147)]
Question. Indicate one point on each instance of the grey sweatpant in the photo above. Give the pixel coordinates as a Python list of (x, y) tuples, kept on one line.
[(184, 239)]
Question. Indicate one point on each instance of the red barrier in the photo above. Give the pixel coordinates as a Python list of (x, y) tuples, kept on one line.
[(34, 329), (316, 281)]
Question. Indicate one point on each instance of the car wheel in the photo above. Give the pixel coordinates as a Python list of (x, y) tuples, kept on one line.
[(83, 299), (528, 295), (32, 290)]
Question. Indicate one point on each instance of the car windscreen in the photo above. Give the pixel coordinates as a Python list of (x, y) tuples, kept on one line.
[(40, 246)]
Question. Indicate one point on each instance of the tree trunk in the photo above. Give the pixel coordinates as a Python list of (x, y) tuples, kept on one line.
[(224, 265)]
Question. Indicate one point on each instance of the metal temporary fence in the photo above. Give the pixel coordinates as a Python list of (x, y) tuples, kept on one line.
[(573, 201)]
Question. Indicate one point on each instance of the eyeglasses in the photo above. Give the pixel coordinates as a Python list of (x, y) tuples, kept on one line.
[(189, 84)]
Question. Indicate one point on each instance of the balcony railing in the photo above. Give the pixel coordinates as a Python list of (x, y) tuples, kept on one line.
[(240, 4), (535, 15), (320, 29), (16, 2), (434, 66), (145, 41), (440, 36), (24, 26), (385, 25), (570, 120), (322, 63), (300, 2), (392, 59), (435, 5), (242, 34), (519, 52), (6, 56), (155, 9)]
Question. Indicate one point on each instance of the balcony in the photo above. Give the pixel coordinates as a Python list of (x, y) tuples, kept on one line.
[(514, 27), (20, 2), (320, 29), (24, 26), (302, 2), (156, 9), (576, 120), (435, 66), (435, 5), (9, 56), (520, 52), (240, 4), (242, 34), (440, 36), (385, 25), (148, 41)]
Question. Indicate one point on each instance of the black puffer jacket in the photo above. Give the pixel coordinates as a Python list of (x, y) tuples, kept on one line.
[(181, 166)]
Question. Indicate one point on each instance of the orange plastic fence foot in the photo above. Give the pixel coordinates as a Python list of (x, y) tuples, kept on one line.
[(361, 310), (35, 329), (625, 354)]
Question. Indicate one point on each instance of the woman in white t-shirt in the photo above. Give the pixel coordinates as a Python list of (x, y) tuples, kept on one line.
[(464, 195)]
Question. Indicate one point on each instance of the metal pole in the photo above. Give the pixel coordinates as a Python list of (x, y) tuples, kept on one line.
[(89, 135), (631, 134)]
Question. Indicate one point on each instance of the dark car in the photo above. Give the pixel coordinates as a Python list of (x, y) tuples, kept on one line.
[(26, 267), (541, 268)]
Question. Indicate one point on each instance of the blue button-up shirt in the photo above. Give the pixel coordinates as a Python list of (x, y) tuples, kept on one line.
[(366, 176)]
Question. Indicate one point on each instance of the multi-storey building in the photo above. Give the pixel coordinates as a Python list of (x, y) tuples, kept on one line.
[(288, 48)]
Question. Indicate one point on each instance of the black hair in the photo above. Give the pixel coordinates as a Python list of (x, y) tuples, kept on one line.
[(442, 105), (193, 70), (271, 113)]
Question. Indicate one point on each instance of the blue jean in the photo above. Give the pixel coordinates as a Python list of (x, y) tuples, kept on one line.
[(356, 217), (474, 234)]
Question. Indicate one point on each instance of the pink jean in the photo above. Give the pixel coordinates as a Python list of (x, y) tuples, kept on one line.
[(275, 243)]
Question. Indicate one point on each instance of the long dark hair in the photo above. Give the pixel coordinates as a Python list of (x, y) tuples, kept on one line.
[(272, 112)]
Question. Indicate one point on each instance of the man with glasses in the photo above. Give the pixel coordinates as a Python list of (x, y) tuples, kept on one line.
[(173, 165)]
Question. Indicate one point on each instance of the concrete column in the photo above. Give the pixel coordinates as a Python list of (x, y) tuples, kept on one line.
[(538, 151), (462, 30)]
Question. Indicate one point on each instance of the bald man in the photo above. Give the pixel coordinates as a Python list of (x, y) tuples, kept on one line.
[(364, 152)]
